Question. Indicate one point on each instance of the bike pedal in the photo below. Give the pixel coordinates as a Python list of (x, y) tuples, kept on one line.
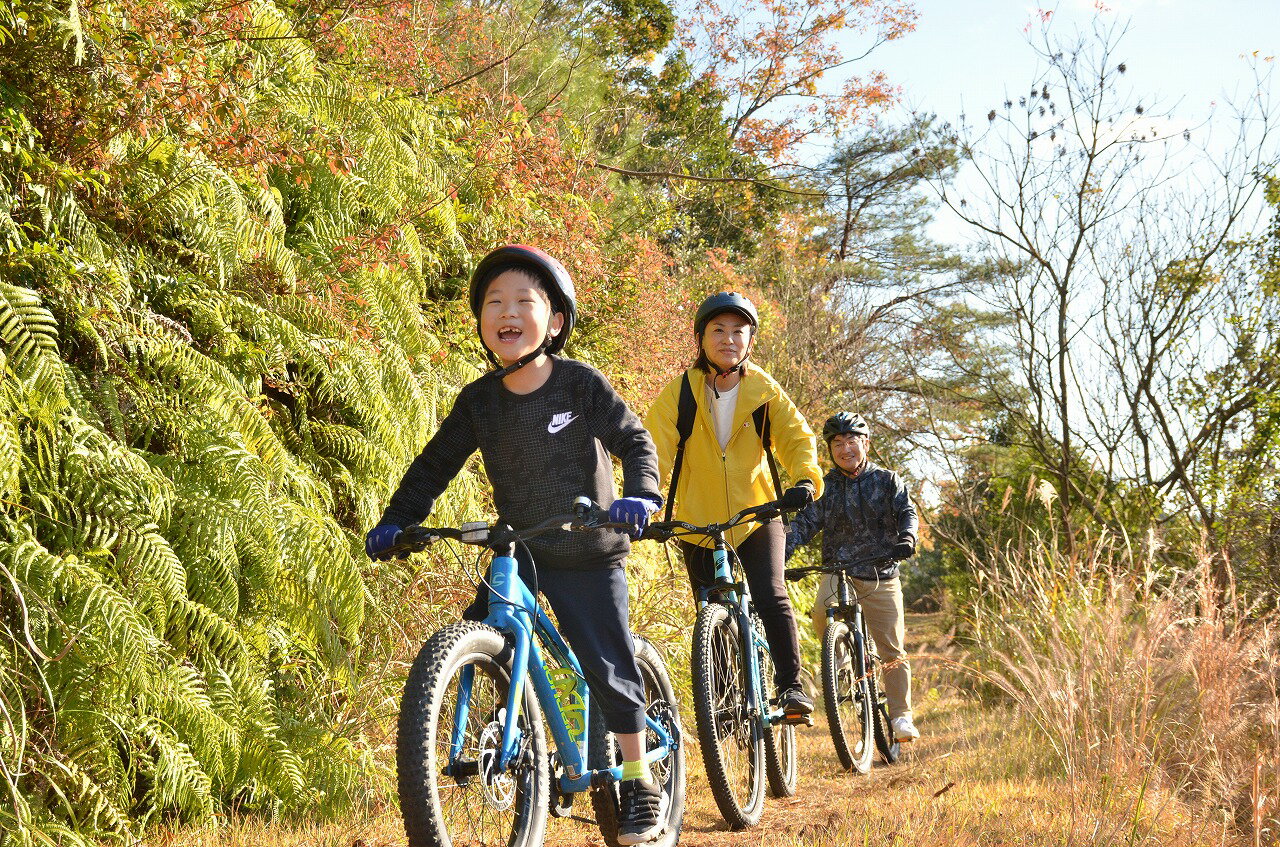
[(798, 720)]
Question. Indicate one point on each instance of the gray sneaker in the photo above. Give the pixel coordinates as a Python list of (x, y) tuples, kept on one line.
[(642, 808)]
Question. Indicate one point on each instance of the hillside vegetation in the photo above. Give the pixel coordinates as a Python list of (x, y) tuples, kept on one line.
[(234, 247)]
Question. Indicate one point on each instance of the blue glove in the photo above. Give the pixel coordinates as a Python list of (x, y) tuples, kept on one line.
[(632, 510), (380, 539)]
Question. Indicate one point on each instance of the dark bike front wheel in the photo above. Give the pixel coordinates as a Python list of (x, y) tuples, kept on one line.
[(668, 773), (780, 753), (447, 747), (846, 696), (890, 747), (732, 738)]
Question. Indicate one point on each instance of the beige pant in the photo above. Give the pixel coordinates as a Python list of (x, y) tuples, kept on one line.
[(882, 608)]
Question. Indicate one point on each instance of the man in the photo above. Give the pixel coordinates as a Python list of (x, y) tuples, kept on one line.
[(869, 524)]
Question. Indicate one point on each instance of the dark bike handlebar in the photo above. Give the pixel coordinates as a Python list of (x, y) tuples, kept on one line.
[(800, 573), (666, 530), (585, 516)]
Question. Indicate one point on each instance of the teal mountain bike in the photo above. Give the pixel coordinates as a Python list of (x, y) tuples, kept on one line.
[(471, 754), (745, 738)]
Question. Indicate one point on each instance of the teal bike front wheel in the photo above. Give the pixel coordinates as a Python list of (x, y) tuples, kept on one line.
[(452, 790), (730, 733)]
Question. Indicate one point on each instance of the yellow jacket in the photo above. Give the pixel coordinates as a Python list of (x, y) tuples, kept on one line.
[(716, 485)]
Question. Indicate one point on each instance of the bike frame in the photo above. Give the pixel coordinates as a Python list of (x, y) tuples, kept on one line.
[(727, 587), (513, 611)]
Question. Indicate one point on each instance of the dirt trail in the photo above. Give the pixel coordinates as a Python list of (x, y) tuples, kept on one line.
[(829, 801)]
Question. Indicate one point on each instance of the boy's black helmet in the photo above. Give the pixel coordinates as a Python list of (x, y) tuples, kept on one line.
[(725, 301), (844, 423), (553, 274)]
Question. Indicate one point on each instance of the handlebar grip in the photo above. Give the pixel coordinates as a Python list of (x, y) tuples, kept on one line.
[(794, 574)]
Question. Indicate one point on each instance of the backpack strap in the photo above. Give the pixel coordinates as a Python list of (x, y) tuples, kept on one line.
[(685, 412), (761, 418)]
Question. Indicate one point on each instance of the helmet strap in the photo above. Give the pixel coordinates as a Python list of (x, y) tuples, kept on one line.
[(523, 360)]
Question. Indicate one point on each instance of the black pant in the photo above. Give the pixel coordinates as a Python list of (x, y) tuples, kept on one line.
[(591, 613), (763, 556)]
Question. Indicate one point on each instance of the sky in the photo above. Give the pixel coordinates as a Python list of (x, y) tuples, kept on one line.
[(1187, 57), (965, 54)]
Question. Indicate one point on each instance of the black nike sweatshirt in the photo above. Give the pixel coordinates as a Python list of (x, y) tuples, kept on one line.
[(541, 451)]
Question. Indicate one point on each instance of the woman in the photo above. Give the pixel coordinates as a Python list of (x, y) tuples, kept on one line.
[(724, 468)]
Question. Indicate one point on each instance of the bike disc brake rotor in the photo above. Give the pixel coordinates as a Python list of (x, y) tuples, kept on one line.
[(499, 786)]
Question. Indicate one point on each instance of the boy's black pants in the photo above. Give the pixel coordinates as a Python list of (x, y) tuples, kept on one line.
[(763, 557), (591, 613)]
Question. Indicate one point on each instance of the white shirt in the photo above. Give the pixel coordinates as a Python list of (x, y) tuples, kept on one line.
[(722, 412)]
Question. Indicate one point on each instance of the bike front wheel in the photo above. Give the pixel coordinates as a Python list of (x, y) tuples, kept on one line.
[(732, 738), (846, 696), (452, 792), (668, 773)]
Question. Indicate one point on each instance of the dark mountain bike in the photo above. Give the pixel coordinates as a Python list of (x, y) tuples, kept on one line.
[(471, 753), (746, 740), (852, 679)]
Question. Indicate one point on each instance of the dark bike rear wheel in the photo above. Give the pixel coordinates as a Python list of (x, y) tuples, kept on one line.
[(846, 695), (459, 799), (668, 773), (732, 739), (780, 754), (890, 747)]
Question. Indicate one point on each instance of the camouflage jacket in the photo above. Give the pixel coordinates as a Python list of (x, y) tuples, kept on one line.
[(860, 518)]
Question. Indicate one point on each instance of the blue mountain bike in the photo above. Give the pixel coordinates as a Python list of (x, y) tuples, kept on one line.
[(471, 753), (746, 739)]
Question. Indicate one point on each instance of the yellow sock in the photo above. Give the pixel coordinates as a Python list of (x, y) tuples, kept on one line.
[(638, 769)]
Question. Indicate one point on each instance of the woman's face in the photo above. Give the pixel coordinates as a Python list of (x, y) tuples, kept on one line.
[(726, 339)]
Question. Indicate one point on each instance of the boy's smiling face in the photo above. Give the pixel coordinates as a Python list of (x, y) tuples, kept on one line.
[(515, 316)]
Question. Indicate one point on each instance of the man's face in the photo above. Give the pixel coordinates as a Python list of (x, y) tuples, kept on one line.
[(850, 451), (515, 316), (726, 339)]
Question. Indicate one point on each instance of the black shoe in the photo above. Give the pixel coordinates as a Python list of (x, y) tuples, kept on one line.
[(641, 812), (795, 703)]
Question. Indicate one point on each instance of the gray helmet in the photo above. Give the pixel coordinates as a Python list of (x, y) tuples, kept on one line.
[(725, 301), (553, 275), (844, 423)]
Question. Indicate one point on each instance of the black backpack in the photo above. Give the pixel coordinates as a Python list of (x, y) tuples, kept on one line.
[(687, 409)]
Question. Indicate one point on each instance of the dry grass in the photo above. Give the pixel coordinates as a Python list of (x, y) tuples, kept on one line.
[(1147, 690)]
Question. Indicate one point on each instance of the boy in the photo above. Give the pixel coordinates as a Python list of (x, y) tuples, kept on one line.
[(865, 513), (543, 425)]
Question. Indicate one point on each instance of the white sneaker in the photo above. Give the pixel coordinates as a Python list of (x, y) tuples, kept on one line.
[(904, 729)]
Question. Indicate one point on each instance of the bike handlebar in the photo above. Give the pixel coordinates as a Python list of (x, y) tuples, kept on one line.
[(793, 574), (666, 530), (585, 516)]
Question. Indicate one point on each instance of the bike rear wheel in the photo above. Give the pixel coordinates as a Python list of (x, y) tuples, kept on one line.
[(668, 773), (464, 799), (846, 696), (732, 740), (780, 753)]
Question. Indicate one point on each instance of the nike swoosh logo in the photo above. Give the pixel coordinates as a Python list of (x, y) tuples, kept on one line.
[(559, 422)]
